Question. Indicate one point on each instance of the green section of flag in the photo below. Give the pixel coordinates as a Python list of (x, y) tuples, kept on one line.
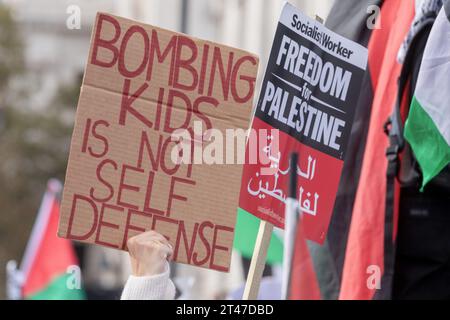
[(429, 146), (246, 230), (57, 289)]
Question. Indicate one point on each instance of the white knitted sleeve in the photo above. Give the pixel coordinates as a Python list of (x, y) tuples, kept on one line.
[(157, 287)]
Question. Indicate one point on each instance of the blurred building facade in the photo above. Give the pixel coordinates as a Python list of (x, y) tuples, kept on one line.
[(56, 54)]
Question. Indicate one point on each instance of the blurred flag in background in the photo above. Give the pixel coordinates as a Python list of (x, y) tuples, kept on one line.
[(428, 128), (246, 230), (49, 267)]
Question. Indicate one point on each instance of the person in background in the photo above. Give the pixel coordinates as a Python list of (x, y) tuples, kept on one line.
[(150, 253)]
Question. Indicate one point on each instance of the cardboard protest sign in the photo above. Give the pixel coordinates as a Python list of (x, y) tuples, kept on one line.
[(307, 100), (141, 85)]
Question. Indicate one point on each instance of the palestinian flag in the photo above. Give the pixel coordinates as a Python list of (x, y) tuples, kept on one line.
[(355, 240), (329, 258), (365, 242), (427, 127), (246, 230), (303, 282), (47, 257)]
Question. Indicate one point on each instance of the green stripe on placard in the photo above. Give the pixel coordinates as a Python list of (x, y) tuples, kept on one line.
[(247, 226), (57, 289), (429, 146)]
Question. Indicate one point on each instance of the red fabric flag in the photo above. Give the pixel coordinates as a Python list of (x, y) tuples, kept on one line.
[(303, 284), (47, 256), (365, 242)]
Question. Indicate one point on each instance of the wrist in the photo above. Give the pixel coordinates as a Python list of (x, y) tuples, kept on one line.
[(145, 270)]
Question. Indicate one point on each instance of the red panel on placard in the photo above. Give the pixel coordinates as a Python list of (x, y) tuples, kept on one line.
[(318, 180)]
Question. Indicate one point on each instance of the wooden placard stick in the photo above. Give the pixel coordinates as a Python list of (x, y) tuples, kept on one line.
[(258, 261)]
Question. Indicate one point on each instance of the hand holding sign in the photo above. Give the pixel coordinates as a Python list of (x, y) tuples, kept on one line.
[(149, 253)]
